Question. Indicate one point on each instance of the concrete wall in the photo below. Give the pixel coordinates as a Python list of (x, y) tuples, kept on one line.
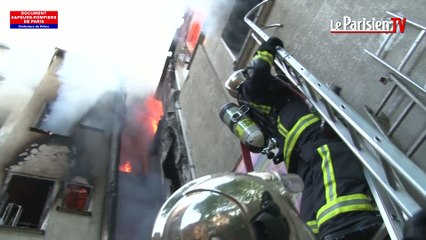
[(333, 58), (14, 134), (212, 145), (62, 225)]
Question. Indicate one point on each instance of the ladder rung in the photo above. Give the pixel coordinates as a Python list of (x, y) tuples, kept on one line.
[(400, 118), (330, 112), (354, 137), (385, 100), (416, 144)]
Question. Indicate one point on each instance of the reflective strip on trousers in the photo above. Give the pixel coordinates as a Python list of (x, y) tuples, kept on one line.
[(294, 134), (343, 204), (327, 173), (336, 205), (283, 131), (263, 108), (265, 56), (313, 226)]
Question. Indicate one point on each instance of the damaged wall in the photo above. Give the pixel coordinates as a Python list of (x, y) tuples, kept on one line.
[(44, 160), (79, 159), (78, 162)]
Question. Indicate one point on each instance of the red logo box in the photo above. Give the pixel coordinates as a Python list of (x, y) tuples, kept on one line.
[(35, 19)]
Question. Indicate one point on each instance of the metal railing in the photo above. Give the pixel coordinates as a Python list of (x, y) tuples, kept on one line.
[(373, 148)]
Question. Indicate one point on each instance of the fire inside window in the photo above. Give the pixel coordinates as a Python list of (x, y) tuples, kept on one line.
[(236, 30), (77, 197), (194, 31)]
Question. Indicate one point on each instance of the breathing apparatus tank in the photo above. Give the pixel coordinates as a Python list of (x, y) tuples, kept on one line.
[(237, 120)]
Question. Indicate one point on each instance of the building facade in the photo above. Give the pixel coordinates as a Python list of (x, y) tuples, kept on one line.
[(55, 177)]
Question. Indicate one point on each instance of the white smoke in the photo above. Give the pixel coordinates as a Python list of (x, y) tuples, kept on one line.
[(106, 42), (21, 69), (131, 37), (211, 10), (84, 79)]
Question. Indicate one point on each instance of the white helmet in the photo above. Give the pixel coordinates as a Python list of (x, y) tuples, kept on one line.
[(233, 205), (234, 81)]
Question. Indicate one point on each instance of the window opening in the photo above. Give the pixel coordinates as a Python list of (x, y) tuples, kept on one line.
[(236, 30), (24, 202), (76, 198)]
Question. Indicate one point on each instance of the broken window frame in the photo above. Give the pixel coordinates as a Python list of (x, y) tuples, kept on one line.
[(88, 206), (50, 197), (42, 117)]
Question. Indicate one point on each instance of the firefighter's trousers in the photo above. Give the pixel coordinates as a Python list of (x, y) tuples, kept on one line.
[(336, 194)]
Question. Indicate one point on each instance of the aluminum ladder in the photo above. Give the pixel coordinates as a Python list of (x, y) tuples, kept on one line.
[(388, 170)]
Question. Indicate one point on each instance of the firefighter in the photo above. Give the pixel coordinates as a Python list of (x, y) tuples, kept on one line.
[(336, 203), (253, 206)]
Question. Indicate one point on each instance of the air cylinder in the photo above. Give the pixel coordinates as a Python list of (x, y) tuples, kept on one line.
[(237, 120)]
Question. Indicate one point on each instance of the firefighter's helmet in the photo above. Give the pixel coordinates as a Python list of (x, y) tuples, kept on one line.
[(233, 206), (234, 81)]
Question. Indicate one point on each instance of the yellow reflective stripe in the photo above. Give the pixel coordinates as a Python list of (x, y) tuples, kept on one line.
[(313, 226), (283, 131), (327, 173), (265, 56), (294, 134), (343, 204), (263, 108)]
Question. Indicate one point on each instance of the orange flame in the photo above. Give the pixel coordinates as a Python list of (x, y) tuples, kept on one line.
[(137, 135), (155, 111), (126, 167)]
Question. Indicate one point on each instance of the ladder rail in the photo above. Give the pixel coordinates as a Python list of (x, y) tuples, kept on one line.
[(395, 231), (381, 148)]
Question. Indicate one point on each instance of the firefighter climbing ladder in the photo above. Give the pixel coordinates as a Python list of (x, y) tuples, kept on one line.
[(389, 171)]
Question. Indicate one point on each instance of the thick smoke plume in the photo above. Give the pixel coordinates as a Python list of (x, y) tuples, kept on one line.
[(84, 78), (21, 69)]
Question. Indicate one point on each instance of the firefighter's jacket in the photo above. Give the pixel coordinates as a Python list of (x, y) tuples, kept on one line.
[(336, 194)]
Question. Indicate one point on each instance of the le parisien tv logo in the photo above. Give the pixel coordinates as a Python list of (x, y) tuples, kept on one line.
[(34, 19), (364, 25)]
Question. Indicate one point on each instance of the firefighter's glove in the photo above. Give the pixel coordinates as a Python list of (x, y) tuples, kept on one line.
[(271, 45)]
